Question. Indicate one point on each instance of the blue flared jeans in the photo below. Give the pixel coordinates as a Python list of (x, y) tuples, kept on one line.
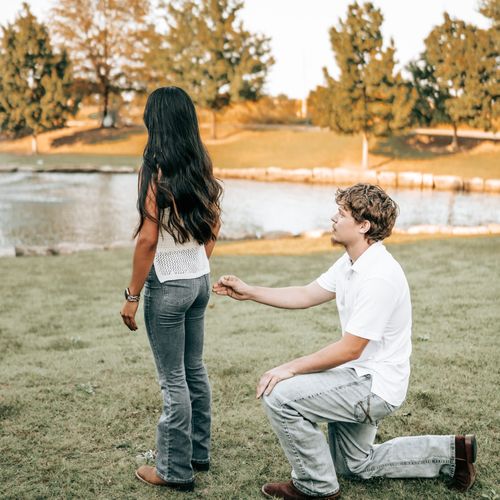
[(174, 315)]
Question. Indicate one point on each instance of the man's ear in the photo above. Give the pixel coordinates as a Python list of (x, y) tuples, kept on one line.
[(364, 227)]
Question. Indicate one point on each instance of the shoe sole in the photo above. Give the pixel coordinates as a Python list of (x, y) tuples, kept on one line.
[(164, 485), (267, 495), (470, 441), (470, 446), (143, 480), (200, 466)]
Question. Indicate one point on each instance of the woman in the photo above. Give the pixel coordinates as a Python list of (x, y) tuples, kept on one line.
[(179, 212)]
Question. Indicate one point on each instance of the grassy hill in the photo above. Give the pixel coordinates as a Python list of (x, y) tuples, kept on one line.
[(286, 147)]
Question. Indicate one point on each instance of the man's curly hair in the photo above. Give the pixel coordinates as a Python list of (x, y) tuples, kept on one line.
[(371, 203)]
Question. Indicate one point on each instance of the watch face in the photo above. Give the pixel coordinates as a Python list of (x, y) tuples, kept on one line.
[(126, 294)]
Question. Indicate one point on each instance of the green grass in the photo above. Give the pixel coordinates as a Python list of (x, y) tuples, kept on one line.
[(79, 399), (287, 149), (308, 149)]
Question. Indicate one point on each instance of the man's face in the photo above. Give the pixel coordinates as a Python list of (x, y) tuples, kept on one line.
[(345, 230)]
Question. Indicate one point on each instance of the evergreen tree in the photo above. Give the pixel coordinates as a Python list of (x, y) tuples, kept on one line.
[(429, 108), (463, 58), (369, 97), (108, 41), (209, 53), (320, 106), (35, 83)]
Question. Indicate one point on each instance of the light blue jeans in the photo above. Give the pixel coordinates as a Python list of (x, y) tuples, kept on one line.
[(296, 406), (174, 316)]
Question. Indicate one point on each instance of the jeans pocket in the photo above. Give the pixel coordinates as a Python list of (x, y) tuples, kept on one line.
[(207, 286), (371, 409), (179, 293)]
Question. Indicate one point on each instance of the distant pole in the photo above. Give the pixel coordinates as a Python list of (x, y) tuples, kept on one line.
[(303, 109)]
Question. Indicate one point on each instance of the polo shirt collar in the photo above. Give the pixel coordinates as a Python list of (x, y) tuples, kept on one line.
[(368, 258)]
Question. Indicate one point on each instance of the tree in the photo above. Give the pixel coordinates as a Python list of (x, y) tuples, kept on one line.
[(491, 9), (369, 96), (429, 108), (463, 60), (35, 82), (209, 53), (108, 41)]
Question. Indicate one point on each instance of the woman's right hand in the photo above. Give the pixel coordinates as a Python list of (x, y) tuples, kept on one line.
[(233, 287), (127, 312)]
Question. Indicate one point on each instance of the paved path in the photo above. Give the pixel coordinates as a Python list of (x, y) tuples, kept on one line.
[(469, 134)]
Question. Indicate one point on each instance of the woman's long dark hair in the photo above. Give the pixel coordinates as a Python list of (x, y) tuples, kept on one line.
[(177, 167)]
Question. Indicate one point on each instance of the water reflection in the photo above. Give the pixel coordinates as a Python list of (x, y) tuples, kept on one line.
[(45, 209)]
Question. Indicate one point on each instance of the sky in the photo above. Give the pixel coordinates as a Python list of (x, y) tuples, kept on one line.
[(299, 32)]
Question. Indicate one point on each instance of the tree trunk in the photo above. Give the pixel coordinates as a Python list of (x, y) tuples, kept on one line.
[(214, 124), (454, 142), (364, 158), (34, 144), (303, 108), (105, 96)]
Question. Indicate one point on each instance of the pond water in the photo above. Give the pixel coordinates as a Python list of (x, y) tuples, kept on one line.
[(50, 208)]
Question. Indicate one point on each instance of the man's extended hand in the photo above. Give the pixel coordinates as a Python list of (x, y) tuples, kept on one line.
[(271, 378), (233, 287)]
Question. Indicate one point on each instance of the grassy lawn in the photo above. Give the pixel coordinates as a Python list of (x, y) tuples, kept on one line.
[(286, 148), (79, 399), (308, 149)]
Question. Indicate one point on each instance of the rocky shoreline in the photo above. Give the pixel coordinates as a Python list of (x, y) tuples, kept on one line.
[(343, 176), (81, 169), (318, 175), (71, 248)]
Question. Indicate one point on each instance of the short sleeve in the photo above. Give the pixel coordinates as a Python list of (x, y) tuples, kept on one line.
[(328, 280), (373, 306)]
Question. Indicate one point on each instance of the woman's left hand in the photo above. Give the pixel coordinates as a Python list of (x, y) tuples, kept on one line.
[(128, 314)]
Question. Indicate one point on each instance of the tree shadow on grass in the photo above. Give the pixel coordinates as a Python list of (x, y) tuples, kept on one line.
[(98, 136), (420, 147)]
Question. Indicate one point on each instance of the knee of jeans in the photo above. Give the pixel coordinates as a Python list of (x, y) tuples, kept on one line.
[(277, 397), (357, 466), (176, 377), (271, 402), (195, 369)]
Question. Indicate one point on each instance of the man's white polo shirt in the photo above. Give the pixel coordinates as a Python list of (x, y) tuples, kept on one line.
[(373, 300)]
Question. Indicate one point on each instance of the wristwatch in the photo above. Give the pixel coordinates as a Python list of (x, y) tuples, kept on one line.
[(130, 297)]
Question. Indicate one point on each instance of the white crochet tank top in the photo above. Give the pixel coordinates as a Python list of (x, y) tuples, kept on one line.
[(179, 261)]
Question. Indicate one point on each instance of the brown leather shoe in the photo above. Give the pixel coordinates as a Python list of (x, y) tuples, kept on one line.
[(288, 491), (147, 474), (465, 456)]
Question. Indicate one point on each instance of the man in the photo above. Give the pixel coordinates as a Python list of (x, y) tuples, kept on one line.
[(358, 380)]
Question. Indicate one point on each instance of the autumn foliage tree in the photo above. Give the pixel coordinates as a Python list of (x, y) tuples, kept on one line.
[(108, 41)]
